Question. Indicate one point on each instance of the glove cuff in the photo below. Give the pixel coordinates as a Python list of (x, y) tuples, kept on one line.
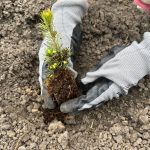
[(144, 49), (71, 3), (67, 14), (135, 65)]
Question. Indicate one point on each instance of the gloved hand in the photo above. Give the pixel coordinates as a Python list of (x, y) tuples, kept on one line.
[(114, 75), (67, 18)]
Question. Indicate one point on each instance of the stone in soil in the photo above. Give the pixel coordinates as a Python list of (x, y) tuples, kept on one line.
[(56, 127)]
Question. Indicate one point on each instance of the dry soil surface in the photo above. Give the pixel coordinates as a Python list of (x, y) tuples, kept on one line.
[(122, 124)]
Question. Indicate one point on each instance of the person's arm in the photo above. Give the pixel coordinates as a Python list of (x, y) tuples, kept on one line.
[(67, 18)]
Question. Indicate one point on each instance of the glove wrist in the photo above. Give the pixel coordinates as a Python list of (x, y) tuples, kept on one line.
[(67, 14), (144, 49)]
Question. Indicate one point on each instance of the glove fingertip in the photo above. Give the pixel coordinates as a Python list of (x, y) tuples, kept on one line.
[(64, 108), (87, 80)]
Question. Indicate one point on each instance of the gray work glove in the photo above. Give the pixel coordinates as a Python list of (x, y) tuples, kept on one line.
[(67, 18), (114, 75)]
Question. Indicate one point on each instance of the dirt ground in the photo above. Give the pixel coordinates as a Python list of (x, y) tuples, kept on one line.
[(122, 124)]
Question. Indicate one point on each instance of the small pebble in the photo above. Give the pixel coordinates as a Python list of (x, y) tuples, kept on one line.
[(22, 148)]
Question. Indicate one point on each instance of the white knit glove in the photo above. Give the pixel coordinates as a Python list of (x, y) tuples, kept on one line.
[(67, 18), (114, 75)]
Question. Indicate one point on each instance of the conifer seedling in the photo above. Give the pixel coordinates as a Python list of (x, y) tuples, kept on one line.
[(60, 81)]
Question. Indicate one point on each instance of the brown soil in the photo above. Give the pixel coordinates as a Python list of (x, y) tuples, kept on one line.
[(50, 115), (62, 86), (121, 124)]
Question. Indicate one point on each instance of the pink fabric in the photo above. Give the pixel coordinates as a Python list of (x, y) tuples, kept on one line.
[(146, 7)]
